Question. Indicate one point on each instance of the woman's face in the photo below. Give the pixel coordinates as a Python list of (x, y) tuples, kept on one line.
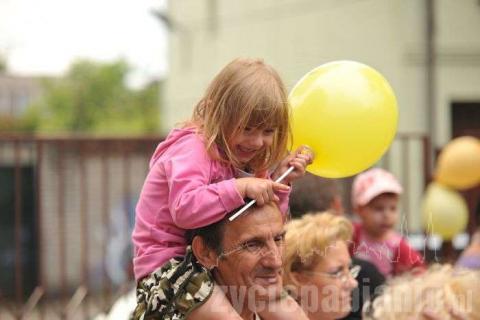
[(325, 291)]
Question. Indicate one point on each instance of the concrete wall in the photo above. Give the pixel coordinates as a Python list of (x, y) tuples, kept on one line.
[(297, 35)]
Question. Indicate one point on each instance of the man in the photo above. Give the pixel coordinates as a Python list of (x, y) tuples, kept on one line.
[(245, 258), (314, 194)]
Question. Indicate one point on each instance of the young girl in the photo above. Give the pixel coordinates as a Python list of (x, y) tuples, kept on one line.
[(205, 169)]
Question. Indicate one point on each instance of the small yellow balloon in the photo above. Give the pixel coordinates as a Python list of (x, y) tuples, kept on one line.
[(444, 210), (458, 164), (347, 113)]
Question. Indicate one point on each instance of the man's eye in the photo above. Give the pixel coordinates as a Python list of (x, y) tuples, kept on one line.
[(253, 246)]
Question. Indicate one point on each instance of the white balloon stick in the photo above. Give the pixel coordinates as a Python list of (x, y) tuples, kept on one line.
[(252, 202)]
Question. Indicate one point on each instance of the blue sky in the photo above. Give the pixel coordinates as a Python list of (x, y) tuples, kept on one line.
[(44, 37)]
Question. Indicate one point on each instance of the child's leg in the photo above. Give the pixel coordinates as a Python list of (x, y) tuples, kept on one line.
[(217, 307), (283, 309)]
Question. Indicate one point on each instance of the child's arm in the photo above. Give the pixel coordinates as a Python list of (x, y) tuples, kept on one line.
[(300, 159), (193, 200), (261, 190)]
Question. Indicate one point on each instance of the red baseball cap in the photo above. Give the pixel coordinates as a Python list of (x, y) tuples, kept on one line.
[(372, 183)]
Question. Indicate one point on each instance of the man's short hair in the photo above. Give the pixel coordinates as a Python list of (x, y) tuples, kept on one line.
[(311, 194), (212, 234)]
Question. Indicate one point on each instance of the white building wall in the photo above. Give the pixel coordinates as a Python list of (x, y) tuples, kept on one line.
[(297, 35), (458, 43)]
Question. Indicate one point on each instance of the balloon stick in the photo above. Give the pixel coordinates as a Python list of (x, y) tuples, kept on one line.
[(252, 202)]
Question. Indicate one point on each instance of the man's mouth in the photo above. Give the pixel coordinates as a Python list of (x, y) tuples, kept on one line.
[(268, 279)]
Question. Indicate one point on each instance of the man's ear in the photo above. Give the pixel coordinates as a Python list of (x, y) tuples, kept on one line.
[(205, 256)]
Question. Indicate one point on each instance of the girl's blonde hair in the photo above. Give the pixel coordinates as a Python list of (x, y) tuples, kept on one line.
[(307, 240), (440, 289), (246, 93)]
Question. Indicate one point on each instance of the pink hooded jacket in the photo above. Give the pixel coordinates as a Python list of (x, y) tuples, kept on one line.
[(184, 189)]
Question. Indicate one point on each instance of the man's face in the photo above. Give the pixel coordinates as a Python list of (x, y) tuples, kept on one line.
[(252, 256)]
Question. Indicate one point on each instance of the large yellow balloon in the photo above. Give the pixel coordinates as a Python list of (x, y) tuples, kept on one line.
[(445, 212), (347, 113), (458, 165)]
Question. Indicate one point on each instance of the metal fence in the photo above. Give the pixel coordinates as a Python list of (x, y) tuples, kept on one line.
[(67, 214)]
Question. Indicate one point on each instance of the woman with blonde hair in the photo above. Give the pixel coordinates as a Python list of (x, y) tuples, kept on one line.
[(440, 293), (318, 271)]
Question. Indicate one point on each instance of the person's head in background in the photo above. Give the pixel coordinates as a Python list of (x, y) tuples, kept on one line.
[(317, 266), (315, 194), (375, 198), (443, 292)]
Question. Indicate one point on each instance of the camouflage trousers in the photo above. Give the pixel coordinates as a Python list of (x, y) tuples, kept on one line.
[(174, 290)]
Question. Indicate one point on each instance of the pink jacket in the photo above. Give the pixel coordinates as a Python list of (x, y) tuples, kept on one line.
[(184, 189)]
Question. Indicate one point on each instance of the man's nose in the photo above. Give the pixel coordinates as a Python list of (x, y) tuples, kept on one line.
[(272, 256)]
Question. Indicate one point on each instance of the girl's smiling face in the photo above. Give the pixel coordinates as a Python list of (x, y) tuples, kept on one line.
[(250, 142)]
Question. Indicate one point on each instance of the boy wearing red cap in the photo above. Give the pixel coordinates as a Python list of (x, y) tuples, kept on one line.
[(375, 197)]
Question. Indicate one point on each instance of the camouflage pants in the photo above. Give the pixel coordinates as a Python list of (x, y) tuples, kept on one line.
[(174, 290)]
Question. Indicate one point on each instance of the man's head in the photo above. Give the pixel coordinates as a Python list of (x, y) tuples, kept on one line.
[(314, 194), (245, 254)]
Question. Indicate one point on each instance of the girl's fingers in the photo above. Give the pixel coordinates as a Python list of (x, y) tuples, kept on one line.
[(277, 186), (271, 194), (260, 200), (298, 164)]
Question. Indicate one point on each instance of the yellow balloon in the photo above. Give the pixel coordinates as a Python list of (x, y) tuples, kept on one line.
[(458, 164), (445, 212), (347, 113)]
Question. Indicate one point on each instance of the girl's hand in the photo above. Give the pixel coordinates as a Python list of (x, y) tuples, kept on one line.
[(261, 190), (302, 157)]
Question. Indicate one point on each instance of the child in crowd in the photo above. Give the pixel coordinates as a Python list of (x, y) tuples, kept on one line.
[(202, 171), (375, 197)]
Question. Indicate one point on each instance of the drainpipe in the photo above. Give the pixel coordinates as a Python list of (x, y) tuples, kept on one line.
[(430, 77)]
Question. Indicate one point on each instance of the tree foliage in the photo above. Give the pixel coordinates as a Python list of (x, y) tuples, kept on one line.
[(94, 98)]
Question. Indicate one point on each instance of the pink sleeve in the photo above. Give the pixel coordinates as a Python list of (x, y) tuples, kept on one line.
[(193, 201), (283, 203)]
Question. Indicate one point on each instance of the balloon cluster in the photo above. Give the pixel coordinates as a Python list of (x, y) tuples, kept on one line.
[(458, 168), (346, 112)]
